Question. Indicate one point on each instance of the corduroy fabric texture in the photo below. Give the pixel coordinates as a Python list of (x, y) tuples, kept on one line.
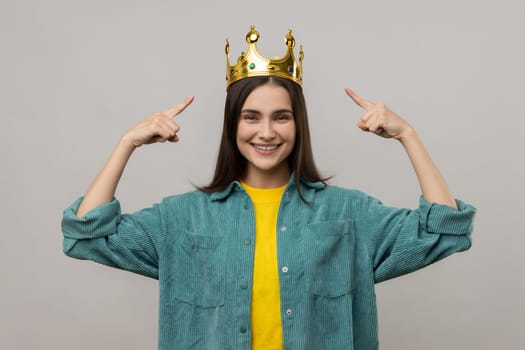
[(200, 247)]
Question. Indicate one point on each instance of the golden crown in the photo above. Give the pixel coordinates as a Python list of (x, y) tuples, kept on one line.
[(253, 64)]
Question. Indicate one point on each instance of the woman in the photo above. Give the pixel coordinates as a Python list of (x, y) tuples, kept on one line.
[(268, 256)]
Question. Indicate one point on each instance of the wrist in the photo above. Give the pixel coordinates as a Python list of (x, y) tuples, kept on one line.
[(406, 135), (126, 143)]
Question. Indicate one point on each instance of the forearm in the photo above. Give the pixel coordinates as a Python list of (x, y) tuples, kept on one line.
[(433, 185), (102, 189), (158, 127)]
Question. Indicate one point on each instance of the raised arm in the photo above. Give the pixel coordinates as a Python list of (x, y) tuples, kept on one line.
[(159, 127), (380, 120)]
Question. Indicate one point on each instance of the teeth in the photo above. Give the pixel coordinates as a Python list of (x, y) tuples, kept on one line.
[(266, 148)]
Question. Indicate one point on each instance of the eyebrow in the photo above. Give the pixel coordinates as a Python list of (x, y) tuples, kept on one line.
[(279, 111)]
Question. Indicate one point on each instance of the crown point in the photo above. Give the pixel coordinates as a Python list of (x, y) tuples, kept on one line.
[(289, 39), (252, 36)]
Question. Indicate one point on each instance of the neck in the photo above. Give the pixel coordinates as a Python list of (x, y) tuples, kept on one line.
[(267, 179)]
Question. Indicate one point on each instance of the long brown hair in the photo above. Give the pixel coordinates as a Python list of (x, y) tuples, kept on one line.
[(231, 164)]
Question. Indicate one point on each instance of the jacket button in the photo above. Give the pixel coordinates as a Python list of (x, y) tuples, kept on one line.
[(244, 286), (247, 242), (283, 228), (243, 329), (284, 269)]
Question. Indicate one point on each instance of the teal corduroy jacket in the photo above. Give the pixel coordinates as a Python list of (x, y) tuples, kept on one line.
[(200, 247)]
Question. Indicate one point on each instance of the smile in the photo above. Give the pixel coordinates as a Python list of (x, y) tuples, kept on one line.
[(266, 148)]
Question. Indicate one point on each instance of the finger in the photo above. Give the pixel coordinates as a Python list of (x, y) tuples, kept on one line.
[(164, 128), (361, 125), (175, 138), (363, 120), (361, 102), (174, 129), (170, 125), (178, 109), (164, 134), (377, 126), (366, 116), (373, 125)]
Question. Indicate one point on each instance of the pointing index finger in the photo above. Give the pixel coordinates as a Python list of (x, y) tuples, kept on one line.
[(178, 109), (361, 102)]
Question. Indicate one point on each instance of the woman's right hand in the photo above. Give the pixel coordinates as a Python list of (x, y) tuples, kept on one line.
[(159, 127)]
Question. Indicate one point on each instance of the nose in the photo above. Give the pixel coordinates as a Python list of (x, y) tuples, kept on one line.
[(267, 131)]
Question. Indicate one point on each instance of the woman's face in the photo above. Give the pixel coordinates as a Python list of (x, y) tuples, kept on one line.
[(266, 135)]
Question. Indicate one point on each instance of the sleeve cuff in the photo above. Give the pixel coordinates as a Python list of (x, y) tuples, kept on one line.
[(443, 219), (98, 222)]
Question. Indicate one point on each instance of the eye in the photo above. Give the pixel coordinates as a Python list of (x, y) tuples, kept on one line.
[(283, 117), (249, 117)]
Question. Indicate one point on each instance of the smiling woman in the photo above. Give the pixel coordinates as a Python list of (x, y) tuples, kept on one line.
[(266, 136), (268, 255), (283, 106)]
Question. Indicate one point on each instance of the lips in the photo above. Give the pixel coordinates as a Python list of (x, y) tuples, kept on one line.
[(265, 148)]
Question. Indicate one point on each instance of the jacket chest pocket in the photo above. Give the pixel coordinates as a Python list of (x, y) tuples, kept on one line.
[(329, 252), (197, 270)]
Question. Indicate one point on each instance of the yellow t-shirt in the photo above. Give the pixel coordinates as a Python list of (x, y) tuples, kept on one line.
[(266, 309)]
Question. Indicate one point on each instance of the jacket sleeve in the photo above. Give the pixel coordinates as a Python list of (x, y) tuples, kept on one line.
[(129, 242), (401, 240)]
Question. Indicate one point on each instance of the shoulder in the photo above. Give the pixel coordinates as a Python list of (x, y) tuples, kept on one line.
[(346, 198), (184, 209), (195, 197), (331, 192)]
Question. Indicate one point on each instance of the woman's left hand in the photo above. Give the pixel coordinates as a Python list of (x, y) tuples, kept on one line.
[(379, 119)]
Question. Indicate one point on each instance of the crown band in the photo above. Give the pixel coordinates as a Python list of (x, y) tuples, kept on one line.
[(253, 64)]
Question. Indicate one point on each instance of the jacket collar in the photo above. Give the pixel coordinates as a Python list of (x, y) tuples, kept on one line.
[(236, 186)]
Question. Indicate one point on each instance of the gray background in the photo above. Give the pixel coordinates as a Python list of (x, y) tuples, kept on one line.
[(76, 74)]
